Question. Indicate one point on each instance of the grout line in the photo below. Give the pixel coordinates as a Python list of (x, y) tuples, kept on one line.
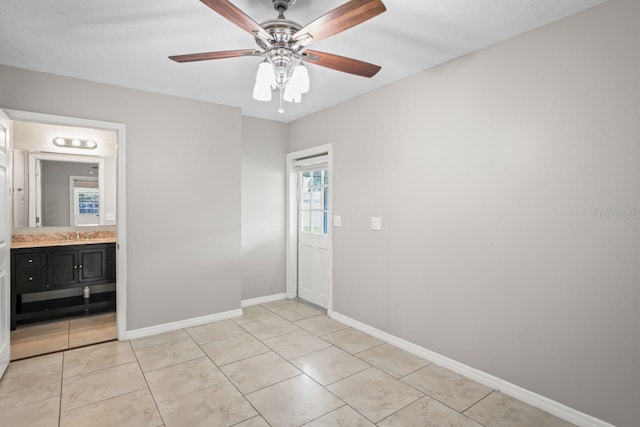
[(330, 412), (146, 382)]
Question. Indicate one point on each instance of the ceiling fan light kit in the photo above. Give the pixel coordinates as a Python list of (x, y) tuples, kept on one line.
[(283, 45)]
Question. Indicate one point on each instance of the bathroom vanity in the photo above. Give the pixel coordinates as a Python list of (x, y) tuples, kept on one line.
[(43, 267)]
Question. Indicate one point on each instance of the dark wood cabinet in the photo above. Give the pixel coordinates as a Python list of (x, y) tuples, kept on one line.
[(60, 267)]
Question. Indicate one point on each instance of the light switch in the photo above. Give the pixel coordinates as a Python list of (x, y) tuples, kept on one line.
[(376, 223), (337, 221), (110, 216)]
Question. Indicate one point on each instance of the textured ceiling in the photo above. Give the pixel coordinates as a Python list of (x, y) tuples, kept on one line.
[(126, 43)]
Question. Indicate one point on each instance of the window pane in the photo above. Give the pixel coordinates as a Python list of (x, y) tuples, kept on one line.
[(305, 198), (325, 199), (325, 223), (326, 177), (316, 198), (317, 177), (306, 179), (305, 221), (317, 222)]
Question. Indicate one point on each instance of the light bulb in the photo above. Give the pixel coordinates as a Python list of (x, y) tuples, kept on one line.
[(300, 78), (291, 94), (76, 143), (265, 81)]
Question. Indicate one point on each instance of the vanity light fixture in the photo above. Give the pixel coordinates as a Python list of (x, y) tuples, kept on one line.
[(75, 143)]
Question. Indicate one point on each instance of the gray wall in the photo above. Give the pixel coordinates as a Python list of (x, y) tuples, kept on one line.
[(486, 172), (183, 190), (264, 147), (55, 190)]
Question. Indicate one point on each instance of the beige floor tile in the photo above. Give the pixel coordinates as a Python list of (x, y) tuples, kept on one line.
[(39, 339), (253, 314), (166, 337), (161, 355), (220, 405), (499, 410), (215, 331), (321, 325), (92, 329), (329, 365), (296, 311), (270, 328), (448, 387), (27, 388), (296, 344), (34, 364), (293, 402), (259, 371), (93, 387), (393, 360), (427, 412), (183, 378), (352, 340), (43, 413), (136, 409), (234, 349), (96, 357), (253, 422), (374, 394), (343, 417), (280, 304)]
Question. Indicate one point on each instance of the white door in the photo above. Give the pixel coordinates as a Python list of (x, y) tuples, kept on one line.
[(313, 234), (5, 242)]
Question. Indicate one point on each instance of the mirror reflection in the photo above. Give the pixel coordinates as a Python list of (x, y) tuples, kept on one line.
[(72, 185)]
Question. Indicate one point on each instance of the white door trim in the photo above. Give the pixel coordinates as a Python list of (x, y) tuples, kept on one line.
[(292, 218), (121, 200)]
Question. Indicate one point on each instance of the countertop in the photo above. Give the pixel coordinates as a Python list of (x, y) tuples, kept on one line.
[(47, 243)]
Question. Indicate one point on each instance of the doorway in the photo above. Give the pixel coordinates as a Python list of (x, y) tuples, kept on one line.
[(309, 248), (92, 206)]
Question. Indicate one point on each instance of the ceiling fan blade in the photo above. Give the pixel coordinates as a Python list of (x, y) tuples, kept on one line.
[(341, 18), (205, 56), (341, 63), (227, 10)]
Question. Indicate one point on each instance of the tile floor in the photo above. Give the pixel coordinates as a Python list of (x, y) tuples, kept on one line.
[(46, 337), (281, 364)]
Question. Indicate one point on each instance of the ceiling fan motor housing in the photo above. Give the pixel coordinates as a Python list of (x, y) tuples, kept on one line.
[(282, 5)]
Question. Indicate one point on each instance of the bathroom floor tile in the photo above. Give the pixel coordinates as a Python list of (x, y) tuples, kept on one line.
[(220, 405), (33, 340), (96, 357), (159, 356), (34, 364), (499, 410), (93, 387), (270, 328), (427, 412), (374, 394), (234, 349), (393, 360), (448, 387), (92, 329), (215, 331), (329, 365), (321, 325), (293, 402), (253, 422), (259, 371), (183, 378), (352, 340), (345, 416), (296, 344), (293, 310), (135, 409)]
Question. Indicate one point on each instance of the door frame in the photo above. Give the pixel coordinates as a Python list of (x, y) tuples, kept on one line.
[(121, 200), (292, 219)]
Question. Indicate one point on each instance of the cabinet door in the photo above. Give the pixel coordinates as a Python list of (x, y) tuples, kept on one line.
[(93, 264), (63, 267), (111, 264)]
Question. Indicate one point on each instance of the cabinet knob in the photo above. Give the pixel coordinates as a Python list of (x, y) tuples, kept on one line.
[(80, 265), (30, 278), (48, 286), (30, 260), (75, 267)]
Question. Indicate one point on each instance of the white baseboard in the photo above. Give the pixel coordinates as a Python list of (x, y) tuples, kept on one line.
[(262, 300), (187, 323), (551, 406)]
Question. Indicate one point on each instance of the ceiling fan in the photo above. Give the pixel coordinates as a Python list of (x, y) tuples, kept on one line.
[(283, 44)]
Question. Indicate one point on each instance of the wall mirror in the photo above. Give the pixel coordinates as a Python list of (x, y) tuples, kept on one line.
[(63, 176)]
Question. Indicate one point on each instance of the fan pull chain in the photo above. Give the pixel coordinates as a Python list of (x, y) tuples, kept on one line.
[(281, 109)]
